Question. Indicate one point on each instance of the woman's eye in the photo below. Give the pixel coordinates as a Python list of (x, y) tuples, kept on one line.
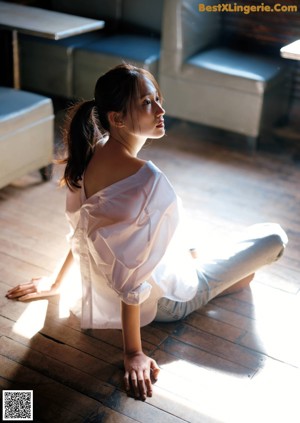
[(147, 102)]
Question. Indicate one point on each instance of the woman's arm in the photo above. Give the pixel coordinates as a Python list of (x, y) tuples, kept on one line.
[(41, 287), (138, 366)]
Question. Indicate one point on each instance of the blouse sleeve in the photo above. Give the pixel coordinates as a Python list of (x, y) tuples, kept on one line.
[(131, 236)]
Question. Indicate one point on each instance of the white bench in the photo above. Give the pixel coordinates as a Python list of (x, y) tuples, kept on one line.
[(26, 134)]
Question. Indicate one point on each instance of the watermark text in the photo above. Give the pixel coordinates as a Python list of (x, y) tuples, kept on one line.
[(246, 9)]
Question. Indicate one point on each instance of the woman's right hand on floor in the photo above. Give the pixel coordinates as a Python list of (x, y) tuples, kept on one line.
[(36, 288), (139, 369)]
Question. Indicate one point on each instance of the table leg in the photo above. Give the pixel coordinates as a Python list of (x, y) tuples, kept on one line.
[(16, 59)]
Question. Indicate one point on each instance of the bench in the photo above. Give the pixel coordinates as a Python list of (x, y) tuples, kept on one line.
[(26, 134)]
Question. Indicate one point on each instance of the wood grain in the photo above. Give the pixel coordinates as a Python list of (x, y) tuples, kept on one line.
[(235, 360)]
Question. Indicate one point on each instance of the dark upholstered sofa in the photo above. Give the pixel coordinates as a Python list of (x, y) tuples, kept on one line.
[(218, 85), (70, 67), (203, 79)]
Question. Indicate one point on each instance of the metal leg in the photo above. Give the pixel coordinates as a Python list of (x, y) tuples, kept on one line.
[(252, 143), (46, 172), (16, 59)]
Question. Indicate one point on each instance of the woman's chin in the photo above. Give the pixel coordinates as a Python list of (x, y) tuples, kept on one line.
[(159, 133)]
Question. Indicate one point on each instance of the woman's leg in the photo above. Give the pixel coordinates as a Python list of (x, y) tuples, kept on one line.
[(233, 263), (238, 286), (253, 248)]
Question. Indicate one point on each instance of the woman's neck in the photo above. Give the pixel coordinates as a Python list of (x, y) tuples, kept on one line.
[(129, 146)]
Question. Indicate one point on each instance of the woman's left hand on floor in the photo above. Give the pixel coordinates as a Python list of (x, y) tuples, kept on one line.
[(36, 288), (138, 371)]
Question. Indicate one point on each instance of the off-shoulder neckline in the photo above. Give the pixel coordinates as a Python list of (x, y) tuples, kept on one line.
[(115, 185)]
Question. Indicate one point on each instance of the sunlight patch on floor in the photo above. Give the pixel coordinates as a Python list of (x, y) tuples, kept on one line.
[(71, 291), (32, 320), (211, 396), (277, 316), (208, 393)]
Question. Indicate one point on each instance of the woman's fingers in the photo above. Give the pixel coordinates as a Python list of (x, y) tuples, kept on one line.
[(20, 287), (21, 290), (126, 381), (37, 287), (134, 383), (139, 370), (148, 383), (155, 369), (142, 385), (30, 296), (140, 382)]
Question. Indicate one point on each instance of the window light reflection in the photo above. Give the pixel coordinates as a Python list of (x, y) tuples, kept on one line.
[(210, 396), (32, 319), (71, 292)]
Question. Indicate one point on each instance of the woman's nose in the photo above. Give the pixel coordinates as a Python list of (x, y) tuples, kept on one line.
[(160, 110)]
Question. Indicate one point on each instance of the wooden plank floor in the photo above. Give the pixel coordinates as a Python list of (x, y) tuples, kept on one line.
[(235, 361)]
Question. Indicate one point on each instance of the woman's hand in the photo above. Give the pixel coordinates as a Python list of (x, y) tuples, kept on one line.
[(41, 287), (138, 371), (138, 367), (36, 288)]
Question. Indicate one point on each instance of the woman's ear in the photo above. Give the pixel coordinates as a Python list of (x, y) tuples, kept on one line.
[(115, 119)]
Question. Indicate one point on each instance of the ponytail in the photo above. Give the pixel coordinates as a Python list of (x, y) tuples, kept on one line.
[(80, 136)]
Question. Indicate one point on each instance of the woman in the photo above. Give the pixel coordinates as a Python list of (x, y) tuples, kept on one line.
[(125, 221)]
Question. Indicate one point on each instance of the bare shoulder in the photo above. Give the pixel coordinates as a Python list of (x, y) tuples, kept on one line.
[(102, 173), (134, 164)]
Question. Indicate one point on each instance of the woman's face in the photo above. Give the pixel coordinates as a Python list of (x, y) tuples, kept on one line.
[(145, 117)]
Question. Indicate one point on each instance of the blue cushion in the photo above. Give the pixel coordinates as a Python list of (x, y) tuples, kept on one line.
[(133, 47), (236, 63), (16, 101)]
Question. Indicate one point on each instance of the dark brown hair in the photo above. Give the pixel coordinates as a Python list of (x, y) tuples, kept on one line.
[(117, 90)]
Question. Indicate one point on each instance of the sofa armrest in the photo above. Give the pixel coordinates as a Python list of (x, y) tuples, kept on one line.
[(185, 32)]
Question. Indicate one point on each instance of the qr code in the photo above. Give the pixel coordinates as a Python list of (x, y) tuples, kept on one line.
[(17, 405)]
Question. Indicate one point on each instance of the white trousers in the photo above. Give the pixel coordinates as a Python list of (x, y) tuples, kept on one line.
[(253, 248)]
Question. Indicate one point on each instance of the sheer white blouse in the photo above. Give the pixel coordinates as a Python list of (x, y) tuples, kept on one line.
[(126, 239)]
